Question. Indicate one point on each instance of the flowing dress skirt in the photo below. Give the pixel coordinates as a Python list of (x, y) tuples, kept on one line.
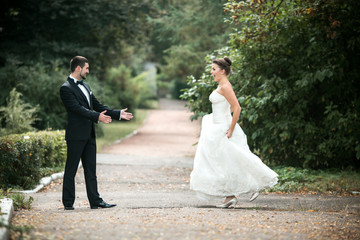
[(225, 167)]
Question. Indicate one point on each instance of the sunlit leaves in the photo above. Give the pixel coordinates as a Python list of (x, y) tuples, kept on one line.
[(296, 77)]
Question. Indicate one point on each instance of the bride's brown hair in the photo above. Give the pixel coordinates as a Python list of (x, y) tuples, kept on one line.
[(224, 64)]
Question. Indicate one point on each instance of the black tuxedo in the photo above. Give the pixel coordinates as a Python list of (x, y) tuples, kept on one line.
[(80, 139)]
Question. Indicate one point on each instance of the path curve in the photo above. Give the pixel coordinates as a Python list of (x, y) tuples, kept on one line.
[(167, 131)]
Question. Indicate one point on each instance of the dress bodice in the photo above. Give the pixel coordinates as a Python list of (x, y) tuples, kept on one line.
[(220, 108)]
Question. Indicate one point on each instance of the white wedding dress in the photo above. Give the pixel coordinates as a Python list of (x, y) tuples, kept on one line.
[(226, 166)]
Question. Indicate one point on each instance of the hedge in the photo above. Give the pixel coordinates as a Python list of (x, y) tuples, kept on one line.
[(24, 156)]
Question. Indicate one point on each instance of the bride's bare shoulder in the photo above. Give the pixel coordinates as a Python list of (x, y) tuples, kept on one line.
[(227, 88)]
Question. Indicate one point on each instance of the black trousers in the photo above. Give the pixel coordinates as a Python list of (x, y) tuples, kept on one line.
[(86, 150)]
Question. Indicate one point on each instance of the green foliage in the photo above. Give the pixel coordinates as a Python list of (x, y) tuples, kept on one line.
[(23, 156), (145, 86), (118, 81), (34, 57), (130, 92), (39, 84), (185, 31), (107, 32), (4, 193), (20, 201), (296, 77), (163, 88), (299, 93), (330, 181), (17, 115)]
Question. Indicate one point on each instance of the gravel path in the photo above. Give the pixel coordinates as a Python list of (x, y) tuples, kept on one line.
[(147, 175)]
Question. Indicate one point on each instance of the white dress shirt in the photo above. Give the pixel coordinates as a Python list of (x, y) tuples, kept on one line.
[(83, 89)]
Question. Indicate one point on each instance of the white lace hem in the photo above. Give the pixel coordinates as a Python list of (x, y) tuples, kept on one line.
[(206, 194)]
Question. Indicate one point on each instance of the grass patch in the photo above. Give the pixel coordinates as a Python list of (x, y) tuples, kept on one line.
[(46, 172), (119, 129), (330, 181), (150, 104), (19, 199)]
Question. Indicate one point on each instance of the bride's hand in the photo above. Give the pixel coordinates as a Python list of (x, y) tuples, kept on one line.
[(229, 133)]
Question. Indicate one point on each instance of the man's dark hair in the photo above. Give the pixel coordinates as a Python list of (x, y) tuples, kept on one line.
[(77, 61)]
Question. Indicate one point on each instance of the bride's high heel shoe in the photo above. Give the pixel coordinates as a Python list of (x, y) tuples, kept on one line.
[(228, 204), (254, 196)]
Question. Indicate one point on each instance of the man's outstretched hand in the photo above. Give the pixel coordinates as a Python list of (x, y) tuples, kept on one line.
[(126, 115), (104, 118)]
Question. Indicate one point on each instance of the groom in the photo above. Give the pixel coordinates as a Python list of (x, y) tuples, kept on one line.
[(83, 111)]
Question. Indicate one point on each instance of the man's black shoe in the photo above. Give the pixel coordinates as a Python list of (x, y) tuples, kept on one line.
[(102, 205), (69, 208)]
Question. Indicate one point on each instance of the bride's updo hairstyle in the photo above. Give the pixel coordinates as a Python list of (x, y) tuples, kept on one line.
[(224, 64)]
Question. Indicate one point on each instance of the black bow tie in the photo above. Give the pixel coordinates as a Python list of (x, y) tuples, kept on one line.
[(80, 82)]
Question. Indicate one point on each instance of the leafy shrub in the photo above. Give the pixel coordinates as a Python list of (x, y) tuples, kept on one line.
[(3, 194), (23, 156), (163, 88), (18, 116), (296, 77), (20, 201), (39, 84), (145, 87), (121, 88), (130, 92), (316, 181)]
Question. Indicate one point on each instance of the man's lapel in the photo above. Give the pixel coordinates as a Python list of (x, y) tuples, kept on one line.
[(78, 90)]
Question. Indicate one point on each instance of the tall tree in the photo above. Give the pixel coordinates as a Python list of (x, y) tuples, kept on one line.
[(184, 32), (108, 32)]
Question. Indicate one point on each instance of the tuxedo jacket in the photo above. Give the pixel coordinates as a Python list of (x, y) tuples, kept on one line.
[(81, 114)]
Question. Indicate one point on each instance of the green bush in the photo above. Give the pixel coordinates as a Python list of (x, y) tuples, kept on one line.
[(296, 76), (331, 181), (39, 84), (163, 88), (145, 88), (18, 116), (118, 83), (20, 201), (130, 92), (23, 156)]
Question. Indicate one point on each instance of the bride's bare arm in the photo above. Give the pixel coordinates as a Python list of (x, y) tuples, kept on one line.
[(230, 96)]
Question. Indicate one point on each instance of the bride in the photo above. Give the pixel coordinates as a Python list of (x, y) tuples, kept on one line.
[(224, 166)]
